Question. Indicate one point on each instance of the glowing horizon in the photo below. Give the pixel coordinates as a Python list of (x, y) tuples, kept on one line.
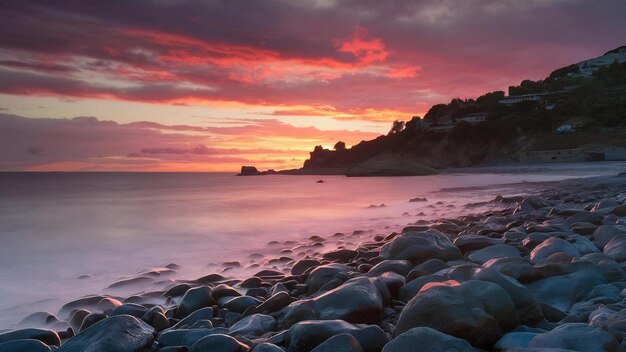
[(204, 86)]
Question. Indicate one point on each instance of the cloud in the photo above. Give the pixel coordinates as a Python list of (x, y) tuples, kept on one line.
[(87, 143), (356, 56)]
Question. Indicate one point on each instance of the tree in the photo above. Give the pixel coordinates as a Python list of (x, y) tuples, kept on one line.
[(340, 146), (396, 126)]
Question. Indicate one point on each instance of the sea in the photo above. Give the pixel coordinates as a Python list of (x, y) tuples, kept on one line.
[(64, 235)]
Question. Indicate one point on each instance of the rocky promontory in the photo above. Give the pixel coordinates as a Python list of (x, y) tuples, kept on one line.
[(544, 273)]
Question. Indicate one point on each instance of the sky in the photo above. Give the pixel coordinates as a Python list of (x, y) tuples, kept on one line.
[(203, 85)]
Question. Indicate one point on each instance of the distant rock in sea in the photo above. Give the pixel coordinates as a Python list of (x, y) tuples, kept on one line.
[(252, 171)]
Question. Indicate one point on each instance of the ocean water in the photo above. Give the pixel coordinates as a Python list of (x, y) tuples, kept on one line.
[(58, 227)]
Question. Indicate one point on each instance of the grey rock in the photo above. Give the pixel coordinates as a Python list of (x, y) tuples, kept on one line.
[(122, 333)]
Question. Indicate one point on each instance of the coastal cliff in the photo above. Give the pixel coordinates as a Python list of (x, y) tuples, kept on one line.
[(575, 114)]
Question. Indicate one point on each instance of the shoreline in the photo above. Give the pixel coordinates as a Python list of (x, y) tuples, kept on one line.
[(520, 255)]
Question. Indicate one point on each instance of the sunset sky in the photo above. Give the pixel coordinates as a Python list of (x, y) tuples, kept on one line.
[(195, 85)]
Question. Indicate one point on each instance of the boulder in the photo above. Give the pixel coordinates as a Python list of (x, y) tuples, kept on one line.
[(46, 336), (121, 333), (219, 343), (340, 343), (200, 314), (467, 243), (541, 254), (194, 299), (619, 210), (494, 252), (616, 248), (267, 347), (253, 325), (477, 311), (28, 345), (605, 233), (306, 335), (302, 265), (418, 247), (576, 337), (322, 274), (356, 301), (427, 339), (401, 267), (569, 283)]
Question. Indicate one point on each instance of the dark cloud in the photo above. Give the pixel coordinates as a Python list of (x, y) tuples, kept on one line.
[(355, 56)]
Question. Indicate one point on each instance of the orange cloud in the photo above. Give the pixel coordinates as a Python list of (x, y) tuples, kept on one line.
[(367, 51)]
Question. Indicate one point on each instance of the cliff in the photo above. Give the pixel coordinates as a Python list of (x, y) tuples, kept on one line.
[(578, 106)]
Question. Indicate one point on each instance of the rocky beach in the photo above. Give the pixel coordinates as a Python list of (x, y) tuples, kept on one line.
[(541, 272)]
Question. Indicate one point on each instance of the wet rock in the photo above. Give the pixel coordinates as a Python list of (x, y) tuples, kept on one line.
[(616, 248), (38, 320), (323, 274), (418, 247), (122, 333), (401, 267), (301, 266), (340, 255), (427, 339), (200, 314), (222, 290), (267, 347), (306, 335), (340, 343), (541, 254), (91, 319), (240, 304), (577, 337), (514, 340), (467, 243), (76, 320), (477, 311), (619, 210), (356, 301), (218, 343), (569, 283), (275, 303), (494, 252), (253, 325), (133, 309), (187, 337), (605, 233), (27, 345), (46, 336), (194, 299)]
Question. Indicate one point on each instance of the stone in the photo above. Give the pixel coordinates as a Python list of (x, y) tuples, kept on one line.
[(241, 303), (302, 265), (577, 337), (219, 343), (565, 284), (605, 233), (477, 311), (186, 337), (418, 247), (616, 248), (306, 335), (322, 274), (91, 319), (27, 345), (427, 339), (494, 252), (194, 299), (467, 243), (619, 210), (541, 254), (340, 343), (121, 333), (46, 336), (267, 347), (253, 325), (200, 314), (401, 267), (356, 301)]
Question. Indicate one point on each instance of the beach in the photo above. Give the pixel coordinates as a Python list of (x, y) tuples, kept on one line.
[(480, 267)]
